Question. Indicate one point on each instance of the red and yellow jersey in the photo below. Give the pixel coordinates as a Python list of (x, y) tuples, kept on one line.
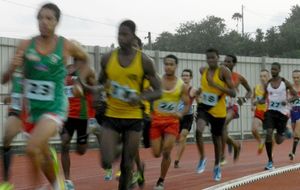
[(259, 93), (79, 107)]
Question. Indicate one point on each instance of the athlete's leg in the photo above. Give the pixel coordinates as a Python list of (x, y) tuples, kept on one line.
[(82, 136), (131, 141), (256, 125), (13, 126), (38, 148), (66, 137), (225, 138), (168, 144), (181, 144), (296, 136), (201, 123)]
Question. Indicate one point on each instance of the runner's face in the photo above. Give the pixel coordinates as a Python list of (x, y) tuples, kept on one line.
[(125, 37), (186, 77), (228, 62), (170, 66), (47, 22), (264, 77), (212, 59), (296, 77), (275, 70)]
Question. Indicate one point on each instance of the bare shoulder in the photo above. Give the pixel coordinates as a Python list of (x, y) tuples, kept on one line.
[(201, 70), (105, 58)]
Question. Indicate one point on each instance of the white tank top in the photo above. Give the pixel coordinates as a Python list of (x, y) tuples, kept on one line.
[(276, 97)]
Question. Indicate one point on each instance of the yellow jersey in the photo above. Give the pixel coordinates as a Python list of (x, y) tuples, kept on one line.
[(123, 83), (259, 93), (213, 97), (168, 103)]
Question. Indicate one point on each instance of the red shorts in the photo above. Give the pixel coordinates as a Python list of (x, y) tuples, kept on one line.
[(27, 127), (259, 114), (164, 125)]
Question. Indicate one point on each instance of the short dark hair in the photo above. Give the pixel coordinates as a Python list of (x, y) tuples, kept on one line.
[(212, 50), (52, 7), (139, 42), (276, 64), (172, 57), (296, 71), (234, 59), (188, 71), (264, 70), (130, 24)]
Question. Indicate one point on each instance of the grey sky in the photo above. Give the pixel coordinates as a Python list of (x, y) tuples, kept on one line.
[(96, 21)]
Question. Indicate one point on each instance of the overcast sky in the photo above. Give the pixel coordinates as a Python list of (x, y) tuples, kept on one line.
[(95, 22)]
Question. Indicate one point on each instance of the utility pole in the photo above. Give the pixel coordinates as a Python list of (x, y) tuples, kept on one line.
[(149, 41), (243, 21)]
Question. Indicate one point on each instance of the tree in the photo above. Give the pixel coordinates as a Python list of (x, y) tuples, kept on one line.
[(237, 17)]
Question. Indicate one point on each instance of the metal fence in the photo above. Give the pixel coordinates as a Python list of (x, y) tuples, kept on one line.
[(247, 66)]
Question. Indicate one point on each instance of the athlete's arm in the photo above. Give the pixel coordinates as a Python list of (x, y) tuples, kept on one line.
[(17, 61), (226, 75), (253, 100), (246, 85), (90, 82), (76, 51), (293, 92), (185, 99), (153, 78)]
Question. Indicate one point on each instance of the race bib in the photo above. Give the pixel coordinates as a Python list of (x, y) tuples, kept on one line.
[(275, 105), (69, 91), (167, 107), (296, 102), (209, 99), (258, 98), (16, 101), (39, 90), (121, 92)]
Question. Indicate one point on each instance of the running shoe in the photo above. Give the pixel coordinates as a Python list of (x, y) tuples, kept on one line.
[(176, 164), (217, 173), (108, 174), (140, 177), (223, 161), (6, 186), (59, 182), (118, 174), (134, 180), (269, 166), (292, 156), (159, 186), (260, 148), (201, 166), (69, 185)]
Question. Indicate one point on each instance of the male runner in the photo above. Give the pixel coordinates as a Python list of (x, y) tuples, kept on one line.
[(232, 107), (259, 109), (80, 113), (216, 83), (276, 116), (165, 118), (295, 113), (44, 58), (187, 121), (124, 69)]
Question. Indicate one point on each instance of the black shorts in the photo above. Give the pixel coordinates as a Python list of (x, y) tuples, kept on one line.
[(275, 120), (80, 125), (186, 122), (100, 117), (216, 124), (146, 132), (123, 125)]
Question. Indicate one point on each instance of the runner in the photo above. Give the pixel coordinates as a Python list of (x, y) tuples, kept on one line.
[(233, 108), (81, 114), (277, 111), (259, 109), (295, 113), (187, 121), (124, 69), (13, 124), (216, 84), (165, 118), (43, 58)]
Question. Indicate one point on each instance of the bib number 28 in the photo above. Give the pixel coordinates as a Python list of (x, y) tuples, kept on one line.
[(40, 90)]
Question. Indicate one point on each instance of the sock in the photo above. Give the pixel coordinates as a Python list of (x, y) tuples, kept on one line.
[(160, 180), (296, 140), (6, 162)]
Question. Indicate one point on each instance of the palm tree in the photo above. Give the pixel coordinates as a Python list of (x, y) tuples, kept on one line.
[(237, 17)]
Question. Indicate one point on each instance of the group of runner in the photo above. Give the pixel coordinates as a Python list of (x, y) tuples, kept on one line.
[(51, 96)]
